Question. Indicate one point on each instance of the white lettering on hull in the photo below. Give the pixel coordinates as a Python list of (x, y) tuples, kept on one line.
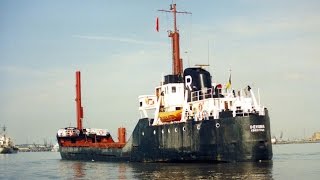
[(257, 128)]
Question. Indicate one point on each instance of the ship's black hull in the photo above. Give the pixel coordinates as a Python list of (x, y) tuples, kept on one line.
[(8, 150), (232, 139)]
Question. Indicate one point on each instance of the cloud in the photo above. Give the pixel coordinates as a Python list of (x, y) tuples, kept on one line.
[(119, 39), (45, 97), (19, 70), (281, 22), (289, 38), (295, 76)]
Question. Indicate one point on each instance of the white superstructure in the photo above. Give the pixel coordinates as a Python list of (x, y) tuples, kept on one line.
[(202, 104)]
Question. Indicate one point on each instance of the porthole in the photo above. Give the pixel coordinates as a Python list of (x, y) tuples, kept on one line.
[(175, 130), (184, 128), (154, 131), (217, 125)]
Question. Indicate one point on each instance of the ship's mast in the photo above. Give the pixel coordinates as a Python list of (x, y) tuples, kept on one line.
[(177, 65), (78, 101)]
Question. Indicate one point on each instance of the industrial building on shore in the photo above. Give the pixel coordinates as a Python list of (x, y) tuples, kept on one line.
[(315, 136)]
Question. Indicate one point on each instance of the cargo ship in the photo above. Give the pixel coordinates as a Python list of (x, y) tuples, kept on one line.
[(6, 144), (188, 118)]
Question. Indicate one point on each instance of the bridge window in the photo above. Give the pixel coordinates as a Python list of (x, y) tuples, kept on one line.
[(173, 89)]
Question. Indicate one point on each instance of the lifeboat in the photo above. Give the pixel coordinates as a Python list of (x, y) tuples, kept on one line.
[(170, 116)]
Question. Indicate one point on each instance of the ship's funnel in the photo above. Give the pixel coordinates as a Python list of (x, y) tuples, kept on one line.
[(196, 79)]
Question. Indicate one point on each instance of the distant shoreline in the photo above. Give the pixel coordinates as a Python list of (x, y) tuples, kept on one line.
[(295, 142)]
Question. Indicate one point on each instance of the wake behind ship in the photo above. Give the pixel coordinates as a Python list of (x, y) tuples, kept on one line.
[(194, 120)]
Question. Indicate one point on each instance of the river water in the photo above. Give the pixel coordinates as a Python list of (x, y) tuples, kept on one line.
[(290, 161)]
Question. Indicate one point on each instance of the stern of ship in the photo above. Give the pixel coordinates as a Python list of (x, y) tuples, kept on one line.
[(254, 138)]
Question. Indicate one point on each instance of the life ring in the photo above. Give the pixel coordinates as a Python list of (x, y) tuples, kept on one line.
[(217, 125)]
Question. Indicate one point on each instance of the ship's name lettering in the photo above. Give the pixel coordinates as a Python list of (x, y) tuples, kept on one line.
[(257, 128)]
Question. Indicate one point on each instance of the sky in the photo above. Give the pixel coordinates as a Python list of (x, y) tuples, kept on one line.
[(271, 45)]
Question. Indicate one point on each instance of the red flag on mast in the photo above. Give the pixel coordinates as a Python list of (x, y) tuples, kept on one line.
[(157, 24)]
